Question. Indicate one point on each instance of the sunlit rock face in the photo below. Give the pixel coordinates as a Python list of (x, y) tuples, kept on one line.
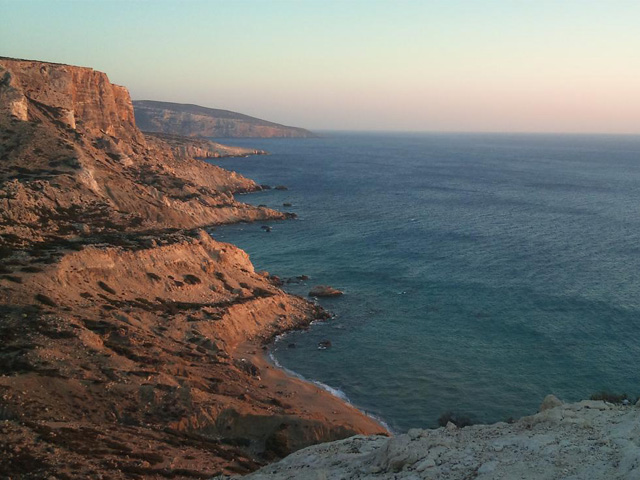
[(72, 154)]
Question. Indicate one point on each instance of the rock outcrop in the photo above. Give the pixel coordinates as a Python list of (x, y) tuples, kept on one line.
[(194, 147), (132, 342), (585, 440), (73, 161), (193, 120)]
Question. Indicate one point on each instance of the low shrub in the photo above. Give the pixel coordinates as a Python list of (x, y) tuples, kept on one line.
[(106, 287), (46, 300)]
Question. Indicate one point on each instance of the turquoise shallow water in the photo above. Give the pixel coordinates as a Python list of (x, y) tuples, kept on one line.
[(481, 272)]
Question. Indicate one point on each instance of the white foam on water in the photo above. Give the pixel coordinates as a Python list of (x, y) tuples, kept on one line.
[(336, 392)]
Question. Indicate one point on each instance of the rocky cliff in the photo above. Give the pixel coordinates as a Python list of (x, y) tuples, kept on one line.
[(193, 120), (74, 161), (580, 441), (132, 342), (71, 96)]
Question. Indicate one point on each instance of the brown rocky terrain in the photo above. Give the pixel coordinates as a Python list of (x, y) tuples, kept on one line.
[(132, 342), (194, 120), (73, 162)]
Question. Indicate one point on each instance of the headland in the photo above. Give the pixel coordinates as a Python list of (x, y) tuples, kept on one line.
[(132, 340)]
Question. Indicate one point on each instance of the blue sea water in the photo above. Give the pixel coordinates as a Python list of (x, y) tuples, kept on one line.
[(481, 271)]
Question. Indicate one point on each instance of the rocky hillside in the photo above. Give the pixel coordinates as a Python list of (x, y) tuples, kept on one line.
[(581, 441), (132, 342), (193, 120), (74, 162)]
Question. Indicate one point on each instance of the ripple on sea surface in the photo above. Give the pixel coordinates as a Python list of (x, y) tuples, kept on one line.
[(482, 272)]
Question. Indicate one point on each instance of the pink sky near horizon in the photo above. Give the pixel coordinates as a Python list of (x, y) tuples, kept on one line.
[(458, 65)]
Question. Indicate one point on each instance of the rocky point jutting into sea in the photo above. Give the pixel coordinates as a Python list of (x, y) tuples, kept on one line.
[(132, 340)]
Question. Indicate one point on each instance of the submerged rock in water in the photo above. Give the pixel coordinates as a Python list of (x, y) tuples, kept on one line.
[(324, 291), (281, 187), (324, 344)]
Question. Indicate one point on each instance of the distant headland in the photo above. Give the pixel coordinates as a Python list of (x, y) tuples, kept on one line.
[(193, 120)]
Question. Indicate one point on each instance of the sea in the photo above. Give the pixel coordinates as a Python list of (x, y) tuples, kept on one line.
[(480, 272)]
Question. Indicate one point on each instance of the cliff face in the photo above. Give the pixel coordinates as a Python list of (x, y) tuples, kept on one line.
[(71, 153), (131, 342), (193, 120), (72, 95)]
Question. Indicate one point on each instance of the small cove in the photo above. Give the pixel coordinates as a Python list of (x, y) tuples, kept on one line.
[(481, 272)]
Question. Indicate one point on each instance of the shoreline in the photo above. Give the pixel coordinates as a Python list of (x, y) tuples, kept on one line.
[(314, 402), (266, 359), (336, 392), (122, 317)]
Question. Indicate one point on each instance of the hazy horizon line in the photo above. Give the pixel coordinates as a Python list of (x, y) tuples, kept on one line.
[(472, 132)]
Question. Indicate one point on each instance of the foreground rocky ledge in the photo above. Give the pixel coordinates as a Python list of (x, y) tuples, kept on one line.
[(585, 440)]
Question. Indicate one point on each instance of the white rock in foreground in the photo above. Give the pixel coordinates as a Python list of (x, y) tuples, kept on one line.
[(585, 440)]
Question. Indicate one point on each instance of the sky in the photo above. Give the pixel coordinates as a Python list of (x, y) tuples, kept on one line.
[(396, 65)]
